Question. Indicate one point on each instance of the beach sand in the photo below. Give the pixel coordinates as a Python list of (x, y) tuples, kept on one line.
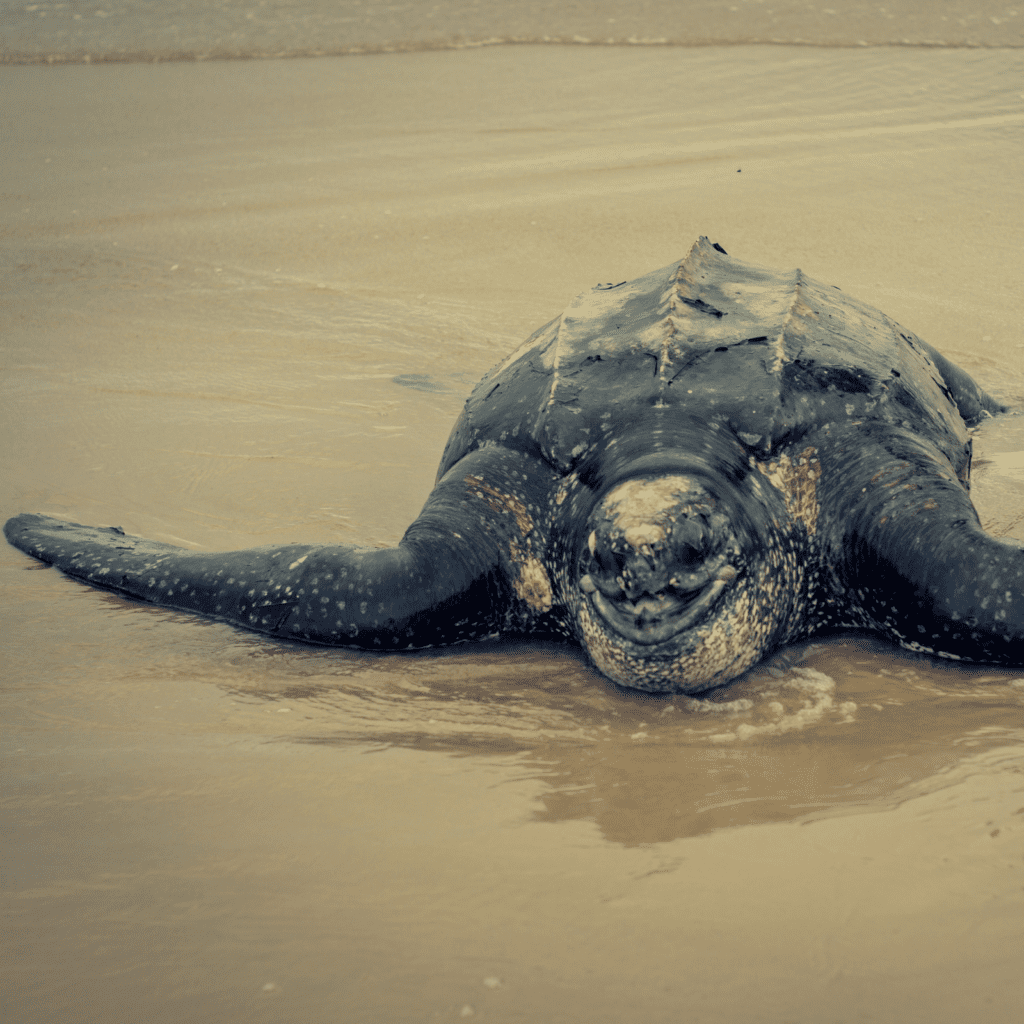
[(243, 302)]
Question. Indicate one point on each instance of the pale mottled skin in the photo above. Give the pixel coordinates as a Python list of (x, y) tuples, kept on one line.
[(681, 473)]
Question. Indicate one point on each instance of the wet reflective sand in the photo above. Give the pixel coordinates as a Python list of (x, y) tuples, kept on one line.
[(243, 304)]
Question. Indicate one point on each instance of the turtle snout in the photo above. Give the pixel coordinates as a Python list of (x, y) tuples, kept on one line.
[(644, 561), (626, 563), (644, 573), (648, 560)]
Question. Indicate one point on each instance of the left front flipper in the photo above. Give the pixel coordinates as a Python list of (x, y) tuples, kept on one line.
[(906, 554)]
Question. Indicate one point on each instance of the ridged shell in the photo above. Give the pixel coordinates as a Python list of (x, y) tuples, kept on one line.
[(771, 354)]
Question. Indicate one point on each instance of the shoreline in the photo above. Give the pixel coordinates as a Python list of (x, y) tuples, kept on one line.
[(430, 46)]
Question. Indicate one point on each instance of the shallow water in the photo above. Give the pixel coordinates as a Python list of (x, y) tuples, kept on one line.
[(243, 303), (58, 31)]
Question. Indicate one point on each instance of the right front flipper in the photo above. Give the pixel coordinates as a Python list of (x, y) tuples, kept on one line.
[(470, 566)]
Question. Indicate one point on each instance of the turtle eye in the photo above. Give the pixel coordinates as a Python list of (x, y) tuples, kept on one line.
[(604, 554), (688, 556), (690, 540), (610, 561)]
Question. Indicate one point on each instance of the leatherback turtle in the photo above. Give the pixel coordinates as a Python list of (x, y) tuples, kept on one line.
[(681, 472)]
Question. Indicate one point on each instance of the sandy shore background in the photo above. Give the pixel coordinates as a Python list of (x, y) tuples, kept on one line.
[(243, 301)]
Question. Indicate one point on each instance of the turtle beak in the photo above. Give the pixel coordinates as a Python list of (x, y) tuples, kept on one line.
[(653, 618)]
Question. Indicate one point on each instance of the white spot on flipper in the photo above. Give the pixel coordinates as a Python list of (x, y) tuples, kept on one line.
[(531, 583)]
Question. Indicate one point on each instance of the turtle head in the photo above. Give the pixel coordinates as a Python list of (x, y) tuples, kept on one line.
[(659, 554), (662, 576)]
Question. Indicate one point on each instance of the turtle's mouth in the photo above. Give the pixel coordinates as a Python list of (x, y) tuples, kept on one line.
[(654, 618)]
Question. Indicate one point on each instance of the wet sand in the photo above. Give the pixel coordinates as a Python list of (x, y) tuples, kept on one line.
[(243, 303)]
